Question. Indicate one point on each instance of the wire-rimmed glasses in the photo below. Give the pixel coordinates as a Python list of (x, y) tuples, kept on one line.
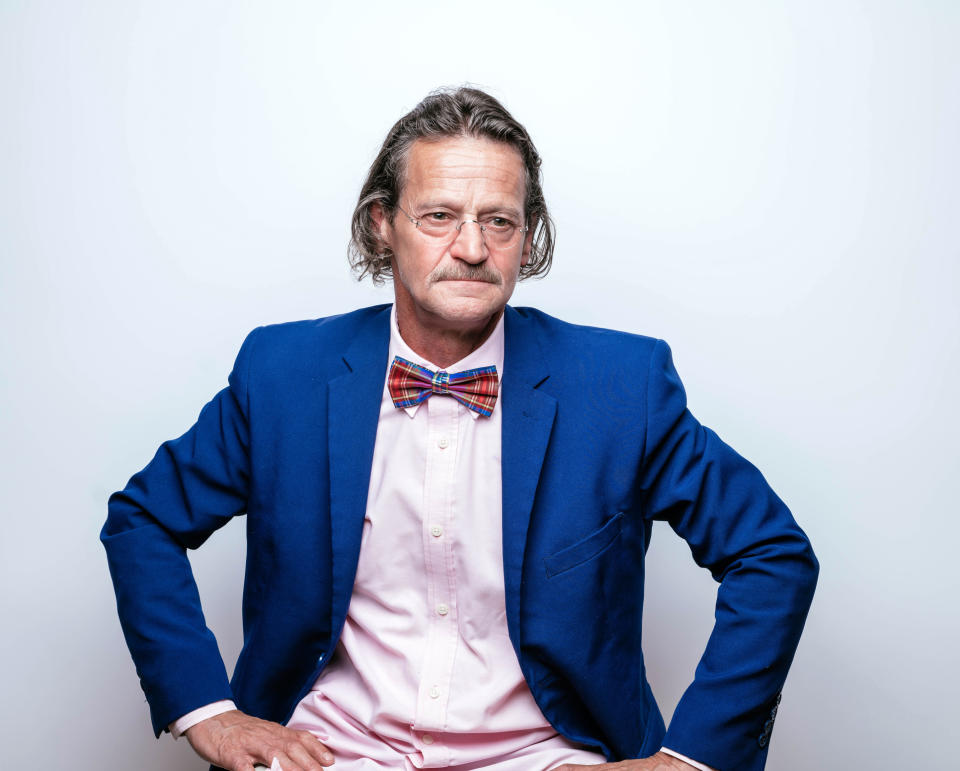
[(496, 230)]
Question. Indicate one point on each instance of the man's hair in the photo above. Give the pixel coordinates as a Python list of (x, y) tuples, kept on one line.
[(461, 112)]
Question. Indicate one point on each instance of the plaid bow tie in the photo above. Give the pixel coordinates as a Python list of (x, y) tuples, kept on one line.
[(410, 384)]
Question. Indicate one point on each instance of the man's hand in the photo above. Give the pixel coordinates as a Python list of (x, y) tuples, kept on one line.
[(659, 762), (236, 741)]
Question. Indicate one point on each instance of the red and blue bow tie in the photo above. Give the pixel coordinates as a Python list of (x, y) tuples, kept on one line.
[(410, 384)]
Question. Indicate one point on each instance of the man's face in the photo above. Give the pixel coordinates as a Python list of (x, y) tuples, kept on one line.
[(460, 283)]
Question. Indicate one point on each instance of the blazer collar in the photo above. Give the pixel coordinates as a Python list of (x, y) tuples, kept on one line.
[(353, 409), (369, 342), (528, 415)]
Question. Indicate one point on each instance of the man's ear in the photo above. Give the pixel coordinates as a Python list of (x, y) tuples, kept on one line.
[(528, 243), (381, 223)]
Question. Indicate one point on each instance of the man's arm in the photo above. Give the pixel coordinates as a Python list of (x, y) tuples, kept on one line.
[(193, 486), (742, 532)]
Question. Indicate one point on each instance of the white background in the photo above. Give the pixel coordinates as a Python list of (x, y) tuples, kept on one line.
[(770, 186)]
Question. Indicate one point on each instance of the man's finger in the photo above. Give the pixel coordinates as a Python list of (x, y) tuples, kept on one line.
[(314, 748), (310, 757)]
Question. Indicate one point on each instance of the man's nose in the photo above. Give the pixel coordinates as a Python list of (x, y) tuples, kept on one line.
[(468, 245)]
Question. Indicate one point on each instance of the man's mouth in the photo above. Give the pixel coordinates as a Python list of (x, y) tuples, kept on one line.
[(479, 275)]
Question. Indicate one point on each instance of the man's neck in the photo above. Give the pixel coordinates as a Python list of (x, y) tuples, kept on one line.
[(445, 346)]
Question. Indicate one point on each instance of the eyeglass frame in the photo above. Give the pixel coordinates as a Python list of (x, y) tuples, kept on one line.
[(483, 228)]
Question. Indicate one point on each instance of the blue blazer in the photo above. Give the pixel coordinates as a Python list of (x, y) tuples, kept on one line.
[(597, 443)]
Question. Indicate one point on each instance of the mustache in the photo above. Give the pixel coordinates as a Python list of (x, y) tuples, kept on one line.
[(466, 272)]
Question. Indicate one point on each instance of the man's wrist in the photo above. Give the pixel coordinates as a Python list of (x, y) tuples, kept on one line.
[(685, 759), (180, 726)]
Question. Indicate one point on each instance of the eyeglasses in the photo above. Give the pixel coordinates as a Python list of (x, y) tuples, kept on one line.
[(496, 230)]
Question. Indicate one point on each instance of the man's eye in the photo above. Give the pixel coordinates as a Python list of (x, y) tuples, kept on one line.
[(499, 223), (438, 216)]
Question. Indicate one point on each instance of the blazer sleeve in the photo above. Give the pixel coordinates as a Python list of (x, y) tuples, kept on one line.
[(739, 529), (193, 486)]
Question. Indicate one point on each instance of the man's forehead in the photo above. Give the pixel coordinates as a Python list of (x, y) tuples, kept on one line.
[(462, 160)]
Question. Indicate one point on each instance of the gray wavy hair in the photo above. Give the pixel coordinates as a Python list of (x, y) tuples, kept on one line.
[(445, 113)]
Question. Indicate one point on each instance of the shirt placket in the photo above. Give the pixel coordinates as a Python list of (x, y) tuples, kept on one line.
[(438, 532)]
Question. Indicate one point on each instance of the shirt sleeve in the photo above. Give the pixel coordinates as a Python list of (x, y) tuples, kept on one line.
[(685, 759), (179, 727)]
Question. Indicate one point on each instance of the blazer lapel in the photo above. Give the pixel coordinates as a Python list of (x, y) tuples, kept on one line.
[(528, 415), (353, 413)]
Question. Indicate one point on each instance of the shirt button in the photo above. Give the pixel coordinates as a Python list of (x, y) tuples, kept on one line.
[(442, 443), (443, 609), (427, 739), (436, 531), (434, 692)]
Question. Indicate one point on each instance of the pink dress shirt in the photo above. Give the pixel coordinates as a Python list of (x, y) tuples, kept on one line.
[(424, 675)]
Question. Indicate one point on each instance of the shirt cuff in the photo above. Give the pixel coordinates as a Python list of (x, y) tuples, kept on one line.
[(685, 759), (179, 727)]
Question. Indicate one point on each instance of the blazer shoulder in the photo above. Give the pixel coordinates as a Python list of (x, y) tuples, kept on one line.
[(578, 342), (311, 343), (337, 328)]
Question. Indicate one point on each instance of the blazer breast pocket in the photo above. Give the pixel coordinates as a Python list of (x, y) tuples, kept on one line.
[(585, 549)]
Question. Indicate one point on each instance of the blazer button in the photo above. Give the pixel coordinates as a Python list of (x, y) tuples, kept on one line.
[(763, 740)]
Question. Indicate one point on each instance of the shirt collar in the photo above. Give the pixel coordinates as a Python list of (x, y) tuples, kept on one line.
[(490, 352)]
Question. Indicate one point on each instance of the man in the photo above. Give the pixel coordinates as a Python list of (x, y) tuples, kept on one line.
[(448, 504)]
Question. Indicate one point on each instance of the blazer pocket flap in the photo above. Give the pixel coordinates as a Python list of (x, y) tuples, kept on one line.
[(585, 549)]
